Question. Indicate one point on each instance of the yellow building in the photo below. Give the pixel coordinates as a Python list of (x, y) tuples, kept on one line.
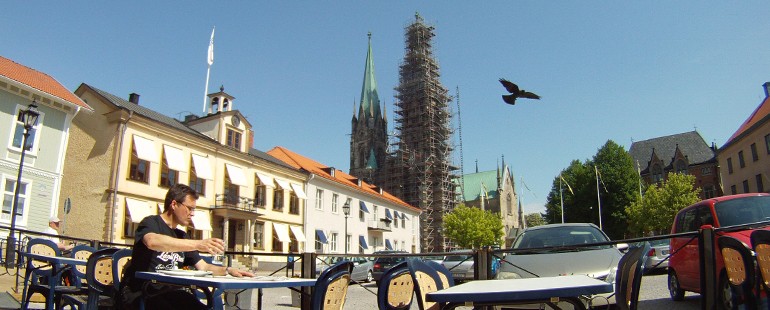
[(123, 157)]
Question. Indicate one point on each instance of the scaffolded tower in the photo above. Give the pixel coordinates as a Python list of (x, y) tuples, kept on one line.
[(419, 169)]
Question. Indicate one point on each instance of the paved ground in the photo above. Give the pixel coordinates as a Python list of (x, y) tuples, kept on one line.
[(654, 295)]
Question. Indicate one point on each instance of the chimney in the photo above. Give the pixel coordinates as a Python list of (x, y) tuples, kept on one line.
[(767, 89), (133, 98), (189, 117)]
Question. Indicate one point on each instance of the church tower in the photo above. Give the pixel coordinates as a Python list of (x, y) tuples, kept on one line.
[(369, 138)]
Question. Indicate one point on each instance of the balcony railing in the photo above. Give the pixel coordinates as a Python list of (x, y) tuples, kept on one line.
[(380, 225), (235, 202)]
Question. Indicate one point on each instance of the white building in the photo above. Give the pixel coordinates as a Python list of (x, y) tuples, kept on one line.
[(377, 220)]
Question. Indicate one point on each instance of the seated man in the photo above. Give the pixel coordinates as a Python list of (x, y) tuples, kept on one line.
[(160, 246), (53, 229)]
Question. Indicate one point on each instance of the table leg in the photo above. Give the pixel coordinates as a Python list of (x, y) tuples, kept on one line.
[(259, 299)]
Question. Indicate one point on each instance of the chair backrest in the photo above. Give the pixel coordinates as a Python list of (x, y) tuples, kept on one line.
[(344, 265), (42, 247), (396, 288), (330, 291), (739, 265), (629, 277), (80, 251), (99, 275), (119, 261), (446, 276), (426, 280), (760, 241)]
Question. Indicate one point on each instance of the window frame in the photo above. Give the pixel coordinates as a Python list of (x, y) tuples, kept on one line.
[(133, 167), (741, 160), (34, 133), (754, 154), (278, 199), (233, 138), (259, 236), (165, 171), (319, 197), (23, 208), (196, 183)]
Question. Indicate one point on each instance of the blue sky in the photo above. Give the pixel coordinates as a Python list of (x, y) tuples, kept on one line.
[(605, 69)]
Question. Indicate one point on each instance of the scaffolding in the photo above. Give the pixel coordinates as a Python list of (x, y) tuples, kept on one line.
[(419, 169)]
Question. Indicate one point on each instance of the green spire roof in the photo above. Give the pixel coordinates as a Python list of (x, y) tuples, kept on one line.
[(370, 101), (372, 162)]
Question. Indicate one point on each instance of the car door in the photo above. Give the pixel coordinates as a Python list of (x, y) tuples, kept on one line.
[(690, 275)]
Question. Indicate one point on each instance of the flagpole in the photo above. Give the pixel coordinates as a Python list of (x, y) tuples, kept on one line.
[(210, 61), (561, 197), (598, 198)]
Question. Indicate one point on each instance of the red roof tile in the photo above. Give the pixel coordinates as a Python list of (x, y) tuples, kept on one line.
[(762, 111), (298, 161), (38, 80)]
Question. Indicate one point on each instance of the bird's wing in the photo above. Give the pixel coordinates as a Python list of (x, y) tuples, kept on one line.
[(510, 87), (509, 99), (526, 94)]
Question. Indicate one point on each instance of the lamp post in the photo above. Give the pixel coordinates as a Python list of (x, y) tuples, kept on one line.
[(346, 210), (27, 117)]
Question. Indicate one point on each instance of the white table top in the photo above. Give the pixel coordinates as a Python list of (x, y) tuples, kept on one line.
[(226, 282), (513, 290)]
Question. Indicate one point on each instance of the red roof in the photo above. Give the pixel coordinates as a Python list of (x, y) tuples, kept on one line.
[(762, 111), (298, 161), (38, 80)]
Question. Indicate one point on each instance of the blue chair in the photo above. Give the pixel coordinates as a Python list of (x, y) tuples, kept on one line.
[(81, 251), (396, 288), (628, 279), (119, 261), (426, 280), (40, 274), (331, 288), (446, 276), (739, 264), (760, 241), (101, 291)]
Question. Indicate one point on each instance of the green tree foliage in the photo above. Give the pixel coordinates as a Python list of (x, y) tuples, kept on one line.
[(472, 228), (534, 219), (654, 213), (617, 188)]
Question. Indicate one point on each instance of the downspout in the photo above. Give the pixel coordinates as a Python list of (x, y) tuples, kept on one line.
[(116, 169), (304, 215)]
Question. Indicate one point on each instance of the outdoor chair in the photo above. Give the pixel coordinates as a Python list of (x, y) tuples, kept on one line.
[(426, 280), (80, 251), (331, 288), (396, 288), (39, 275), (446, 276), (119, 261), (99, 277), (628, 279), (739, 264), (760, 240)]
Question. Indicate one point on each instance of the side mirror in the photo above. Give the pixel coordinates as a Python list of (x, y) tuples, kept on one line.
[(622, 247)]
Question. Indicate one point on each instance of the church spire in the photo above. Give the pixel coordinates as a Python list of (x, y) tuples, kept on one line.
[(370, 101)]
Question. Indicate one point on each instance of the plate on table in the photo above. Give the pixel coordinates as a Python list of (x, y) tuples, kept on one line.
[(185, 273)]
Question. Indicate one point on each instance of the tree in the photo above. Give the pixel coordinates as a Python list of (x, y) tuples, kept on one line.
[(654, 213), (617, 188), (534, 219), (472, 228)]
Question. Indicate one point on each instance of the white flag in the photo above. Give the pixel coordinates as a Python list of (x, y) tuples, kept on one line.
[(211, 47)]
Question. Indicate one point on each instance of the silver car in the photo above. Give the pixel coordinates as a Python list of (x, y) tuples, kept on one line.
[(362, 267), (460, 265), (656, 257), (557, 250)]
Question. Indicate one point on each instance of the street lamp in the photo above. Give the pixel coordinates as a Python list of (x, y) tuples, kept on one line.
[(346, 210), (27, 117)]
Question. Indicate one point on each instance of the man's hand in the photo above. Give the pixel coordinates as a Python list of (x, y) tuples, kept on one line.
[(211, 245), (238, 273)]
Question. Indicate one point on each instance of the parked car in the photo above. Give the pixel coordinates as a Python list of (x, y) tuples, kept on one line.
[(656, 257), (362, 267), (683, 267), (382, 264), (567, 257), (460, 265)]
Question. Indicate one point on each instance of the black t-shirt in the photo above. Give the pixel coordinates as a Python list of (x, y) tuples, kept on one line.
[(144, 259)]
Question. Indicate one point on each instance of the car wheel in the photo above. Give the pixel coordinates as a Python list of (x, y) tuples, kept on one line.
[(725, 294), (369, 276), (676, 291)]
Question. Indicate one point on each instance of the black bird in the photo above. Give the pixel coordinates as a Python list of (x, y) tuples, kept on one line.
[(515, 92)]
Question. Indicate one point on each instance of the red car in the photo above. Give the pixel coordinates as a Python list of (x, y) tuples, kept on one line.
[(684, 265)]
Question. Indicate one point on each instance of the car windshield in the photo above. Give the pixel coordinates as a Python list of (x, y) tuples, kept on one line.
[(659, 242), (558, 236), (741, 211)]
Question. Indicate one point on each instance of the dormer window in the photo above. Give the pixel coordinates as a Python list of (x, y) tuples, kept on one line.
[(233, 139)]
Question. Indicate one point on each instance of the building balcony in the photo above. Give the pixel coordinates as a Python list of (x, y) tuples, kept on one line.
[(379, 225)]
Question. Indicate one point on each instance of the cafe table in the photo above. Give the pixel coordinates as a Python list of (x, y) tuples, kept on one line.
[(548, 290), (215, 286), (56, 263)]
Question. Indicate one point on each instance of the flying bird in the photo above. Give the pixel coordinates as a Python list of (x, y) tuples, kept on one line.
[(515, 92)]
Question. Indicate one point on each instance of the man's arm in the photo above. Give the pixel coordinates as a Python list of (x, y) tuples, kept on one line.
[(162, 243), (222, 270)]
